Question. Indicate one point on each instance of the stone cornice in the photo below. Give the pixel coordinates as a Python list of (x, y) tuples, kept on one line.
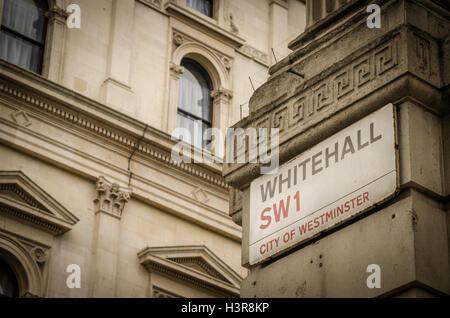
[(73, 108)]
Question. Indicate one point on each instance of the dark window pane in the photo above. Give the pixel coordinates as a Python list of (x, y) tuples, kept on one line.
[(8, 281), (26, 17), (194, 91), (194, 126), (195, 103), (203, 6), (20, 52)]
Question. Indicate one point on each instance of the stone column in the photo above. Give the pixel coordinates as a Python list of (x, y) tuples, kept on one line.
[(172, 109), (54, 45), (221, 114), (116, 90), (109, 206)]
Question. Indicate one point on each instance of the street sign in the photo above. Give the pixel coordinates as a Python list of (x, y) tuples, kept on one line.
[(335, 180)]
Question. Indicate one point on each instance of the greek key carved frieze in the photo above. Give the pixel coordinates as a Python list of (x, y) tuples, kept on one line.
[(332, 92), (327, 93)]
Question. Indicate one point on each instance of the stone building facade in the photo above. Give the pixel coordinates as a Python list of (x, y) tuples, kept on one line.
[(340, 71), (88, 190)]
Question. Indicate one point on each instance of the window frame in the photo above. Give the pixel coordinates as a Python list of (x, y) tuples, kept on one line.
[(189, 62), (212, 10), (21, 36)]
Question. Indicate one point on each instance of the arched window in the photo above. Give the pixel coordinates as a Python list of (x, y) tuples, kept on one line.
[(203, 6), (8, 282), (23, 30), (195, 102)]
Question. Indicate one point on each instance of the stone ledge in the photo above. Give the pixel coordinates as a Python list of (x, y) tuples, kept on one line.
[(49, 97)]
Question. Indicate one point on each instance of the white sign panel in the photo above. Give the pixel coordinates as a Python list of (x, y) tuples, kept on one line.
[(338, 178)]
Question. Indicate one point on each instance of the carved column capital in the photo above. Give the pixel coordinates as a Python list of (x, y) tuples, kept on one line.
[(176, 70), (111, 197), (222, 95), (57, 14)]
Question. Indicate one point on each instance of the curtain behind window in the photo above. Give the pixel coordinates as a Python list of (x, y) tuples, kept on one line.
[(203, 6), (194, 102), (22, 35)]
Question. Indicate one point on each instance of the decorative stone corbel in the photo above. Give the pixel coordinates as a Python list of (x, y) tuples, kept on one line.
[(111, 198), (40, 255), (176, 70), (177, 38)]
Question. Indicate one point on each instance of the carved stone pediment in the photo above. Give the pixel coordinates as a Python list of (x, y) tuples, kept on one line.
[(196, 265), (20, 197)]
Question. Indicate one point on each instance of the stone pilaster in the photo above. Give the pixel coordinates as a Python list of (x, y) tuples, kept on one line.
[(278, 14), (221, 113), (109, 206), (175, 72), (116, 91), (54, 45)]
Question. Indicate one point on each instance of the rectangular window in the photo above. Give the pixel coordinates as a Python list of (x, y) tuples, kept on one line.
[(203, 6), (22, 33)]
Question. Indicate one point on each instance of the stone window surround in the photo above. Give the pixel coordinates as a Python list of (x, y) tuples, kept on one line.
[(23, 200), (216, 8), (219, 73), (171, 261), (54, 41), (23, 264)]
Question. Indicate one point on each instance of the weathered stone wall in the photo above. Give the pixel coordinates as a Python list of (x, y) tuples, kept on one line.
[(350, 71)]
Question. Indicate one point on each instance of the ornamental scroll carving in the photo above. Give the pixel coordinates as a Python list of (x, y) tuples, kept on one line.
[(111, 197)]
